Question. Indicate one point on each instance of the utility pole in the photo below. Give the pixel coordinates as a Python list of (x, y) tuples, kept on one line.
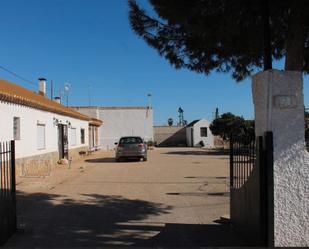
[(89, 94), (51, 90), (149, 95)]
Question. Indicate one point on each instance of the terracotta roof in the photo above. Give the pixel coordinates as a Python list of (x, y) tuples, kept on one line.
[(96, 122), (10, 92), (113, 107)]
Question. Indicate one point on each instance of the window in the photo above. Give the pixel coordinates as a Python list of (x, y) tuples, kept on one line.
[(131, 140), (203, 131), (41, 136), (82, 136), (16, 128), (73, 136)]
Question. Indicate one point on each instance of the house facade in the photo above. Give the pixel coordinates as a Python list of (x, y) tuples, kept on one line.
[(199, 134), (44, 130), (120, 121)]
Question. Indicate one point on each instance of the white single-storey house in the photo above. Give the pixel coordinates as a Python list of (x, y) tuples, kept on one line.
[(199, 134), (43, 129), (121, 121)]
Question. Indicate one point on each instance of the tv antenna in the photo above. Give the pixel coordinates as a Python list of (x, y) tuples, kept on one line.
[(67, 87)]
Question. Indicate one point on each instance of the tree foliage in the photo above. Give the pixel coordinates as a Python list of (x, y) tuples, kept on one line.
[(229, 124), (170, 122), (225, 35)]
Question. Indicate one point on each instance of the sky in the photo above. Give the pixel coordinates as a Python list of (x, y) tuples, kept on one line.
[(90, 45)]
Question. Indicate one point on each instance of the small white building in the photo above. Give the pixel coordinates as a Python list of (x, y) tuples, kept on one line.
[(199, 134), (121, 121), (43, 129)]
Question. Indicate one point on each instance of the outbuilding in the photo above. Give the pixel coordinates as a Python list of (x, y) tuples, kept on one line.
[(44, 130), (121, 121), (199, 134)]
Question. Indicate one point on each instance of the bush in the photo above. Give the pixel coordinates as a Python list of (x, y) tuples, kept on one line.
[(150, 143)]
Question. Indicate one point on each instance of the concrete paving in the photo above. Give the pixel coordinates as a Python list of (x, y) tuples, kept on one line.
[(173, 199)]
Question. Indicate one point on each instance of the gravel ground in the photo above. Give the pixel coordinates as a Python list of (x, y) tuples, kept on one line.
[(175, 198)]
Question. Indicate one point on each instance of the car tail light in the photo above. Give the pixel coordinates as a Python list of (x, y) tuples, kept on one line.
[(120, 145), (141, 146)]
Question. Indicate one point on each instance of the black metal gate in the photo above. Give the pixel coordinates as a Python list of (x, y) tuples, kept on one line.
[(251, 186), (8, 219)]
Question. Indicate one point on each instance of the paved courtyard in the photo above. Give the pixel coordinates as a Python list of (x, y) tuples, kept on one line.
[(175, 198)]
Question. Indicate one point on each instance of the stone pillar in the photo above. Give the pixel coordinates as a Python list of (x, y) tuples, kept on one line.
[(279, 107)]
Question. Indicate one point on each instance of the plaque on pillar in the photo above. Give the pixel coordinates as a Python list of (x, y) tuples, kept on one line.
[(285, 101)]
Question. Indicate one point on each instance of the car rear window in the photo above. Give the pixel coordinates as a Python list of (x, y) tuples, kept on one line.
[(131, 140)]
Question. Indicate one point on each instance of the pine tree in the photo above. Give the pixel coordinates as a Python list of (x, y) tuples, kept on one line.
[(236, 36)]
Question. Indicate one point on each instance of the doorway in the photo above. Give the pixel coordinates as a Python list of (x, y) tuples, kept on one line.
[(63, 146)]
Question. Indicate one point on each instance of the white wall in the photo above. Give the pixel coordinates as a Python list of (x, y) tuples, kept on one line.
[(29, 117), (118, 122), (279, 107), (208, 141)]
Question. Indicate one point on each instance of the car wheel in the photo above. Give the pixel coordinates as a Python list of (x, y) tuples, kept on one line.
[(117, 159), (145, 159)]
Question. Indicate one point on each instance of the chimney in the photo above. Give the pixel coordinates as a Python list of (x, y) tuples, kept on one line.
[(58, 100), (42, 86)]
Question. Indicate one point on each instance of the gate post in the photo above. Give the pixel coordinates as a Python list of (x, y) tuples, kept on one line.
[(269, 176), (279, 107), (262, 190)]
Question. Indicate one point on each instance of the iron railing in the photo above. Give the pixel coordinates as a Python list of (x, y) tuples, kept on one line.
[(242, 158), (8, 220)]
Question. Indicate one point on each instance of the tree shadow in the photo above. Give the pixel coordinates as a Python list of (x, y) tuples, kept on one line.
[(200, 194), (183, 235), (98, 220), (56, 220), (199, 153)]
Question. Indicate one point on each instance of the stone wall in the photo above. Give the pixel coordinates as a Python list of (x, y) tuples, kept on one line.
[(42, 165)]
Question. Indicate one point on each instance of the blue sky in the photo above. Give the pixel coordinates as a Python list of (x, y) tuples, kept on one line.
[(90, 43)]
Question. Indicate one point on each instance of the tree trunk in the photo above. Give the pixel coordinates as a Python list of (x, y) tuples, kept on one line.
[(296, 37), (267, 39)]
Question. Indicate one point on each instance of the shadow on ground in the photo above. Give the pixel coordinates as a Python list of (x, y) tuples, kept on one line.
[(199, 152), (55, 220), (97, 220), (197, 235), (203, 194)]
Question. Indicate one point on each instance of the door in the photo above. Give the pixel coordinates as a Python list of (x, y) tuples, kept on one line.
[(192, 137), (63, 145)]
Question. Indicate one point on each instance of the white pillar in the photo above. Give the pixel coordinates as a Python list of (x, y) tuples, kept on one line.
[(279, 107)]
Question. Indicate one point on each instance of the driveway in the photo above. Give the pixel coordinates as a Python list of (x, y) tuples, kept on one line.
[(175, 198)]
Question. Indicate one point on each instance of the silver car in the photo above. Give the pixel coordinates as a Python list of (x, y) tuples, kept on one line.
[(131, 147)]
